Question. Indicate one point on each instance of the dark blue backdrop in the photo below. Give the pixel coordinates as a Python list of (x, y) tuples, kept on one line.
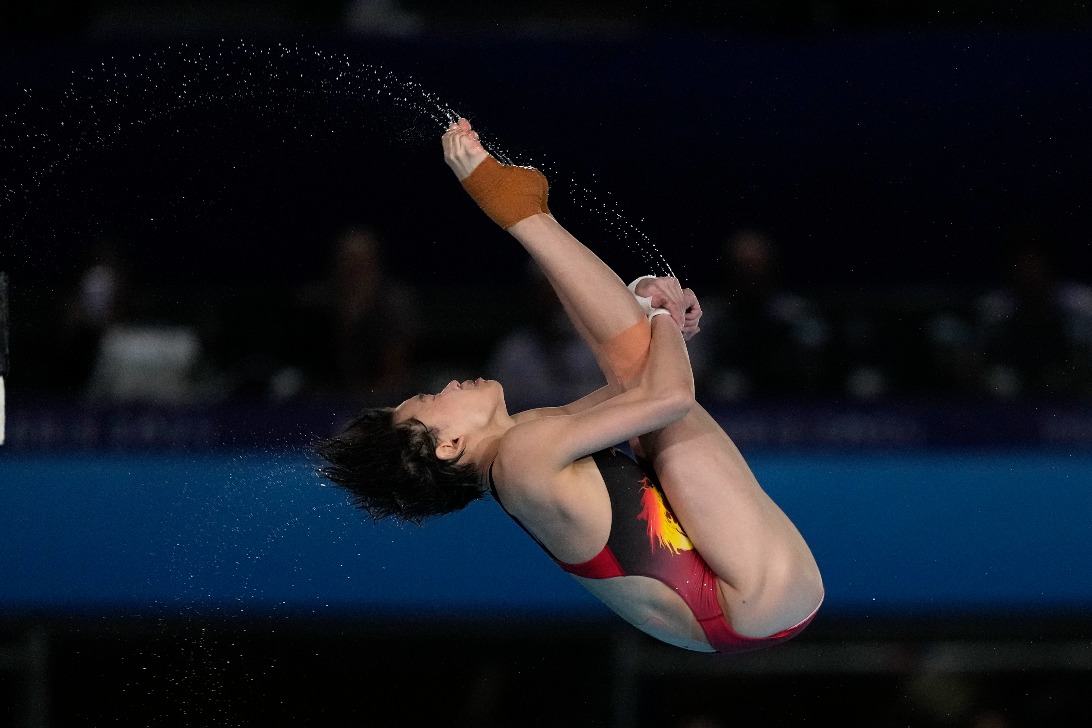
[(251, 533)]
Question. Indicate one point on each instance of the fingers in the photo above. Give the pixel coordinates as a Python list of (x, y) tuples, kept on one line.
[(693, 308), (456, 133), (667, 293), (460, 125), (693, 315), (462, 147), (680, 302), (674, 309), (460, 129)]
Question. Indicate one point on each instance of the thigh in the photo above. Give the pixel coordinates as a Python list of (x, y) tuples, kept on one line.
[(747, 540), (714, 494)]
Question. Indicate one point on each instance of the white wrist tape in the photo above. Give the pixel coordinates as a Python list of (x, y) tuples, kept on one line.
[(656, 312), (645, 301)]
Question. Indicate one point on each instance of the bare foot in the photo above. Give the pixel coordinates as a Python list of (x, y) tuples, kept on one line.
[(462, 149)]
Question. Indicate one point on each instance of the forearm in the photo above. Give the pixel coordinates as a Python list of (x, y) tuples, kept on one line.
[(590, 400), (667, 372), (663, 394)]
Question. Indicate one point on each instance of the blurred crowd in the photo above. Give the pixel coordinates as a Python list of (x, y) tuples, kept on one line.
[(410, 17), (363, 334)]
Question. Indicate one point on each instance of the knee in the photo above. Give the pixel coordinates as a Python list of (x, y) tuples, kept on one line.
[(806, 591), (809, 584), (627, 352), (791, 589)]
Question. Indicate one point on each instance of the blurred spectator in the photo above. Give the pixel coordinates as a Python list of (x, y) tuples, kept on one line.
[(112, 353), (544, 362), (953, 362), (868, 339), (99, 300), (700, 721), (381, 17), (361, 326), (151, 363), (759, 339), (1036, 329)]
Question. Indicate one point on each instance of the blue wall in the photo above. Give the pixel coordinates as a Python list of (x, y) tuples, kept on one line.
[(254, 532)]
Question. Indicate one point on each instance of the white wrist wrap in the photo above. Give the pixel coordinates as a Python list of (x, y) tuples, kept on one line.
[(645, 301), (656, 312)]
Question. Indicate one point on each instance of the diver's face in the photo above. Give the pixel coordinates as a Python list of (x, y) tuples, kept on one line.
[(458, 409)]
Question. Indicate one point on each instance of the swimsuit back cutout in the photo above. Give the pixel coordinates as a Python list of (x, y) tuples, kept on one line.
[(647, 540), (645, 537)]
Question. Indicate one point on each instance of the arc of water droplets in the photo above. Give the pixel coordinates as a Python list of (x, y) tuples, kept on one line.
[(442, 114), (261, 488), (201, 676), (634, 238), (93, 110)]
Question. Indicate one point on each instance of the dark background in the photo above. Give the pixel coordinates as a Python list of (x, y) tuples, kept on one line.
[(894, 150)]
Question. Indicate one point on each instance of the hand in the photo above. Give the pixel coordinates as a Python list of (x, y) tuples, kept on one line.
[(691, 316), (680, 302), (463, 151)]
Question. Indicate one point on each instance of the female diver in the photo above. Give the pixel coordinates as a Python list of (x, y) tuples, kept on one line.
[(682, 542)]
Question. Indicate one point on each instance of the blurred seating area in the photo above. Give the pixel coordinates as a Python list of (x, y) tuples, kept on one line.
[(411, 17), (273, 254), (366, 334)]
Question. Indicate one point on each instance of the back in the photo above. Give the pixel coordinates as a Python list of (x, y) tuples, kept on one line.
[(644, 568)]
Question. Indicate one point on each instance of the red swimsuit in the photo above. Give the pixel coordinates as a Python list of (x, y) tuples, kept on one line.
[(646, 540)]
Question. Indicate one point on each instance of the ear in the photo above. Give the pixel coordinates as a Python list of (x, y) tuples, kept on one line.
[(449, 449)]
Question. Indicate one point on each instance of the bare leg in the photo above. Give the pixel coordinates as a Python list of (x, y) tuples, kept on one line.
[(602, 309), (769, 579), (597, 301)]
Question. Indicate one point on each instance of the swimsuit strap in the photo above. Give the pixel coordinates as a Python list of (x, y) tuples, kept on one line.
[(493, 487), (496, 497)]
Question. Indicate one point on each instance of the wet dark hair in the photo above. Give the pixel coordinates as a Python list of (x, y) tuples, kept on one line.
[(392, 469)]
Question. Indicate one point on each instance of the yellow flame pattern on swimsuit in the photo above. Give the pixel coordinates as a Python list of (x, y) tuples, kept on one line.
[(662, 526)]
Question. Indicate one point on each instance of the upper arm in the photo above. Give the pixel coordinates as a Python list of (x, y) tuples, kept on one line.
[(557, 441), (590, 400), (536, 471), (662, 394)]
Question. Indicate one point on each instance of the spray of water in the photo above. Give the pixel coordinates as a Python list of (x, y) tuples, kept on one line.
[(226, 521), (45, 144), (181, 91)]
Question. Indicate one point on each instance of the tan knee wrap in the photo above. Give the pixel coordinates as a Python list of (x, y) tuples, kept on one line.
[(627, 353), (507, 194)]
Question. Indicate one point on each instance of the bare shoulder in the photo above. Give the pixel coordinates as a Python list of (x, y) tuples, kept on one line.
[(524, 468), (565, 506), (528, 473)]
